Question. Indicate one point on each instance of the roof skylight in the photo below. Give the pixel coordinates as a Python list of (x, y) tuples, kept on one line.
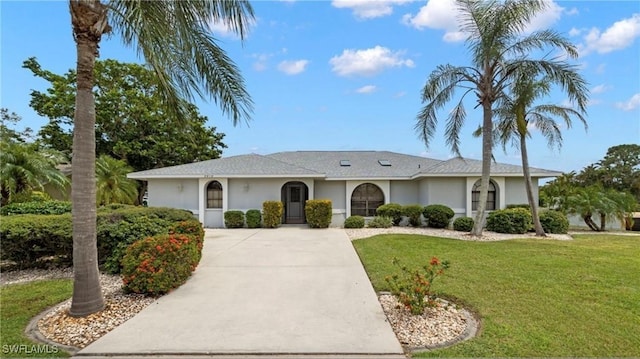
[(384, 163), (345, 163)]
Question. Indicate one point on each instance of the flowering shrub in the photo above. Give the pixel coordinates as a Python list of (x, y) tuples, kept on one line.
[(156, 265), (413, 287)]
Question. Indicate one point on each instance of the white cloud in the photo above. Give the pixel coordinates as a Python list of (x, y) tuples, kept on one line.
[(618, 36), (600, 69), (368, 62), (544, 19), (293, 67), (572, 11), (630, 105), (369, 9), (367, 89), (400, 94), (220, 29), (574, 32), (600, 89)]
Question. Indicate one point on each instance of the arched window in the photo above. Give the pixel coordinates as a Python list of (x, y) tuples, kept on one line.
[(491, 196), (366, 198), (214, 195)]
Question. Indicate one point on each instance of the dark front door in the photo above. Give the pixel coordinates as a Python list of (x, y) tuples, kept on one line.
[(295, 195)]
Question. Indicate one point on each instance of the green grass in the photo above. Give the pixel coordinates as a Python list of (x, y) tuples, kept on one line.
[(19, 303), (536, 298)]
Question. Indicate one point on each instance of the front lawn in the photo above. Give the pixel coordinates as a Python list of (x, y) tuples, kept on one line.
[(19, 303), (536, 298)]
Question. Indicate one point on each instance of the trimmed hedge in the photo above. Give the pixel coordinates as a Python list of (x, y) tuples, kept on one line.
[(234, 219), (380, 222), (437, 215), (413, 211), (36, 207), (391, 210), (272, 214), (354, 222), (519, 205), (463, 224), (512, 221), (318, 213), (554, 222), (254, 218), (156, 265)]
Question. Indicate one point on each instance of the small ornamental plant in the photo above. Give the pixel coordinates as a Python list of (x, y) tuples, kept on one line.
[(412, 288)]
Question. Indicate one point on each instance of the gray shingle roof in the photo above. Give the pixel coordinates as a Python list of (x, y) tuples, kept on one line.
[(327, 164)]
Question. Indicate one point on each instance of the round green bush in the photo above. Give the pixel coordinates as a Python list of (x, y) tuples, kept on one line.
[(254, 218), (234, 219), (354, 222), (380, 222), (512, 221), (437, 215), (156, 265), (463, 224), (413, 211), (554, 222), (391, 210)]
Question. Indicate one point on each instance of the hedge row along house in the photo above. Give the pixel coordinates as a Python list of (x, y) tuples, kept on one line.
[(356, 182)]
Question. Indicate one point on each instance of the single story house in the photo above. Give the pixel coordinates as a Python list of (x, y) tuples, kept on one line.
[(356, 182)]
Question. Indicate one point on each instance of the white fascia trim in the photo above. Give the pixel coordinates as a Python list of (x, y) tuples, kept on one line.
[(144, 178), (493, 174), (368, 178)]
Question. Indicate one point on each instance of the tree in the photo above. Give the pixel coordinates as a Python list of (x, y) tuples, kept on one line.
[(175, 40), (517, 113), (621, 169), (112, 184), (24, 168), (9, 135), (498, 51)]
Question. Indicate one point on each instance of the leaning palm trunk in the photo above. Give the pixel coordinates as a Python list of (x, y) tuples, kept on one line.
[(533, 204), (89, 19)]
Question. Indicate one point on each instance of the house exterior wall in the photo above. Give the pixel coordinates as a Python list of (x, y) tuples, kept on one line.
[(515, 191), (175, 193), (403, 192), (450, 191), (336, 192)]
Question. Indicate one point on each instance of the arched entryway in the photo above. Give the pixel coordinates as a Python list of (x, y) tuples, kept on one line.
[(294, 196)]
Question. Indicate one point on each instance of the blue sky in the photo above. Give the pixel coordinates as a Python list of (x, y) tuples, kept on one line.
[(347, 74)]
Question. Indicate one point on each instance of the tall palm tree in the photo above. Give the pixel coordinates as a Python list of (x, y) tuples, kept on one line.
[(517, 114), (23, 169), (112, 184), (498, 49), (175, 39)]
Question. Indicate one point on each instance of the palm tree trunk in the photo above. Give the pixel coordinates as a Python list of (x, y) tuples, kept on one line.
[(533, 204), (487, 147), (89, 23), (603, 221)]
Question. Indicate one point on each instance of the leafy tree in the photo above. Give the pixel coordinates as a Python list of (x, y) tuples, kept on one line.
[(621, 169), (24, 168), (518, 112), (138, 130), (175, 39), (595, 201), (112, 184), (498, 51), (9, 135)]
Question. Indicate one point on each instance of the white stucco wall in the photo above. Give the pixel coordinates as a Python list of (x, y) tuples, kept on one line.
[(450, 191), (250, 193), (336, 192), (175, 193), (515, 192), (403, 192)]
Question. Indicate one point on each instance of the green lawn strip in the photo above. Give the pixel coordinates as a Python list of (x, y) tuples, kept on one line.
[(536, 298), (19, 303)]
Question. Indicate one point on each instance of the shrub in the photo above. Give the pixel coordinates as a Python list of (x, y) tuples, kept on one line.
[(512, 220), (272, 213), (156, 265), (519, 205), (413, 287), (234, 219), (380, 222), (463, 224), (254, 218), (438, 215), (413, 211), (30, 196), (391, 210), (27, 238), (36, 207), (354, 222), (318, 213), (554, 222)]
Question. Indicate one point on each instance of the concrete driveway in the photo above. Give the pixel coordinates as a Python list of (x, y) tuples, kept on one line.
[(288, 292)]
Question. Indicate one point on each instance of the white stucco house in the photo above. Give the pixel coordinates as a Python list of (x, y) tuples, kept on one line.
[(356, 182)]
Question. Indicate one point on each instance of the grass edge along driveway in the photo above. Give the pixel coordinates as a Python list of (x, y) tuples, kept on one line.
[(535, 298)]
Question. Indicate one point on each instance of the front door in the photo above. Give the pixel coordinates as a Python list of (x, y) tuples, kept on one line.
[(295, 195)]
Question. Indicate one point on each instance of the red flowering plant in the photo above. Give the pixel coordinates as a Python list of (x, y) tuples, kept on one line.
[(156, 265), (412, 288)]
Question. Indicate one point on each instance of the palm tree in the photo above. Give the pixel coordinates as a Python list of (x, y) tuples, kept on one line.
[(498, 49), (517, 114), (24, 169), (113, 186), (175, 39)]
